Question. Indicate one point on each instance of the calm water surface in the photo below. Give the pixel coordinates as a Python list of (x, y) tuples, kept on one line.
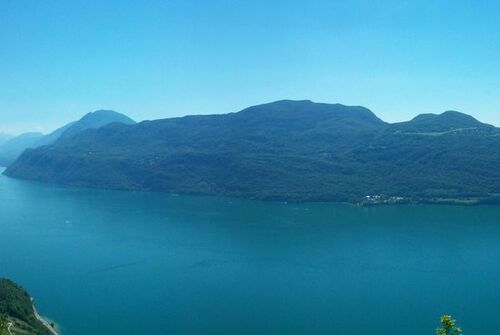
[(108, 262)]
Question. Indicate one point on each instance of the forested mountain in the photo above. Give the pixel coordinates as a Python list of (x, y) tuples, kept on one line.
[(286, 150), (448, 121), (11, 149)]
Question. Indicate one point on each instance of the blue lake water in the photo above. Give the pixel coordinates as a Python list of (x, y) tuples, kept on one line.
[(110, 262)]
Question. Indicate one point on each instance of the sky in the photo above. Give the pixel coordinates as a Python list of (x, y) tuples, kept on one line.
[(156, 59)]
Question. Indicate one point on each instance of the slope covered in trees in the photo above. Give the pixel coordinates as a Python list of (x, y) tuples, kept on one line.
[(286, 150), (16, 308)]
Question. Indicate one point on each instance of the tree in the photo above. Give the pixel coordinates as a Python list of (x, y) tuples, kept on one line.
[(3, 325), (448, 326)]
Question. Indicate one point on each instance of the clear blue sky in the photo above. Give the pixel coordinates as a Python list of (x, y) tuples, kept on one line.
[(157, 59)]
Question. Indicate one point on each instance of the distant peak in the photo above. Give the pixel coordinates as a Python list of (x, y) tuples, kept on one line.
[(101, 112), (104, 111), (289, 101), (449, 120), (447, 117), (106, 115), (308, 112), (285, 104), (452, 113), (290, 105)]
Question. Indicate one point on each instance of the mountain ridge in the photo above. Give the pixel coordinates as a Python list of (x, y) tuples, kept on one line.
[(13, 148), (446, 121), (286, 150)]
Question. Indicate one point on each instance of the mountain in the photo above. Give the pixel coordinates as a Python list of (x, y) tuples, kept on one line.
[(16, 310), (93, 120), (10, 150), (286, 150), (55, 135), (445, 122), (4, 138)]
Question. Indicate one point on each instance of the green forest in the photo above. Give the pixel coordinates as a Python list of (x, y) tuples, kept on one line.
[(287, 151)]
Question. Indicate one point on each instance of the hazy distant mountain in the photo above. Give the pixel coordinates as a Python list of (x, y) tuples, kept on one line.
[(13, 148), (95, 120), (286, 150), (4, 138)]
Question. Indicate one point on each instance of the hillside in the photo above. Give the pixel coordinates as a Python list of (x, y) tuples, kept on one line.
[(16, 309), (286, 150), (448, 121), (11, 149)]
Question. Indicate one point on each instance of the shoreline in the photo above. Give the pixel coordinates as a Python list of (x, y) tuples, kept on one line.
[(361, 202), (45, 322)]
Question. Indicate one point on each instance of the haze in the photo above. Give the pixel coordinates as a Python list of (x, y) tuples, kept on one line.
[(60, 60)]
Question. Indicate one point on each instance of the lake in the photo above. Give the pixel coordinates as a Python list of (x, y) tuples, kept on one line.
[(111, 262)]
